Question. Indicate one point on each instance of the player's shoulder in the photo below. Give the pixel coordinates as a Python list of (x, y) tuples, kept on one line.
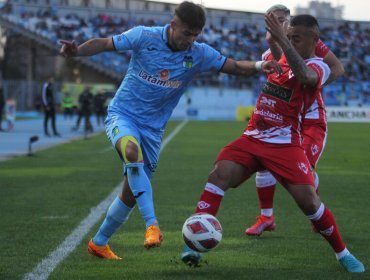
[(200, 47), (320, 66), (154, 32), (267, 55), (318, 61)]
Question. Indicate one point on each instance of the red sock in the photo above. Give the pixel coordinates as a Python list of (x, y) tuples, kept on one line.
[(266, 196), (209, 203), (327, 227)]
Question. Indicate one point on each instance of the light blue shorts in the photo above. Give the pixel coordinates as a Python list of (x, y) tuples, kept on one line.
[(118, 126)]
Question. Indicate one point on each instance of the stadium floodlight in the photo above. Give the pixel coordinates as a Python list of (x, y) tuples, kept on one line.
[(32, 140)]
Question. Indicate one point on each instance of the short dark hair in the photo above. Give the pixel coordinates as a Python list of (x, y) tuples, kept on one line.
[(305, 20), (191, 14)]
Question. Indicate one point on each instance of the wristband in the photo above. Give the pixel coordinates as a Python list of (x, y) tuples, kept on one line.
[(258, 65)]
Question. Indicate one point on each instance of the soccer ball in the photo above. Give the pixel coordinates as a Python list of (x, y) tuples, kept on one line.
[(202, 232)]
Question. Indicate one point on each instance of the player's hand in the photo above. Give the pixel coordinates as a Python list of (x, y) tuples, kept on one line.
[(68, 48), (276, 30), (271, 66)]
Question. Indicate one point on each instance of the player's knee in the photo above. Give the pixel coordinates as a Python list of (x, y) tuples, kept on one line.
[(265, 179), (226, 175), (130, 150), (310, 204), (218, 178)]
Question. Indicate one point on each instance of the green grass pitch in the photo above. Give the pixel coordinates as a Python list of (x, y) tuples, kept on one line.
[(43, 199)]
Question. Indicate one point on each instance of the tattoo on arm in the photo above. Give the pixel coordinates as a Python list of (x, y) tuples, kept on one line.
[(303, 73)]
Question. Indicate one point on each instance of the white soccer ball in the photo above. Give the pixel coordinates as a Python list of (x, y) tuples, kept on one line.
[(202, 232)]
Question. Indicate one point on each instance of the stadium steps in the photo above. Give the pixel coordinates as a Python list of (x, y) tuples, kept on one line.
[(7, 22)]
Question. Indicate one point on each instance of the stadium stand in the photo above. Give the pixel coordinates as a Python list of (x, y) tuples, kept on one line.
[(225, 31)]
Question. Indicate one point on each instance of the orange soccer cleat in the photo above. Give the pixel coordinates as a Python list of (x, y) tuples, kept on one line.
[(153, 237), (101, 251), (263, 223)]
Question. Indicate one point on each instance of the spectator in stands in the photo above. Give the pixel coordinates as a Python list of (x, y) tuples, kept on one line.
[(99, 107), (85, 101), (48, 102), (67, 103), (165, 59), (348, 40), (2, 105)]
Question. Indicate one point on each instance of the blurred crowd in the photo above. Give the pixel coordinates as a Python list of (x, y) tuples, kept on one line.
[(348, 40)]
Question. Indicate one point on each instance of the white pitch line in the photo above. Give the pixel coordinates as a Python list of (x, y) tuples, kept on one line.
[(48, 264)]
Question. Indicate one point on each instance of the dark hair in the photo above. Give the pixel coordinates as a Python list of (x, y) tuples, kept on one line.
[(191, 14), (304, 20)]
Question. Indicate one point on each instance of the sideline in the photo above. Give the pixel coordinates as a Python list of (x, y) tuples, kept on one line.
[(48, 264)]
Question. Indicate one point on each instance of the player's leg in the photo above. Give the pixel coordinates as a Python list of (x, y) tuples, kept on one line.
[(151, 144), (120, 209), (265, 186), (294, 172), (228, 172), (46, 119), (323, 220), (141, 188), (122, 206), (314, 140)]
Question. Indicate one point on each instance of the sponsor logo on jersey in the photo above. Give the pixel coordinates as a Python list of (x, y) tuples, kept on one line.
[(269, 115), (303, 167), (115, 131), (203, 205), (328, 231), (152, 166), (290, 74), (164, 74), (187, 62), (267, 101), (158, 81), (277, 91), (314, 149)]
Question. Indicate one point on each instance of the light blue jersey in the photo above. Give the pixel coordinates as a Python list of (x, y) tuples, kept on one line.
[(157, 76)]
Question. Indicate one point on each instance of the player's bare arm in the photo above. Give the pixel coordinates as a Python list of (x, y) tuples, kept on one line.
[(248, 68), (301, 71), (336, 67), (275, 49), (90, 47)]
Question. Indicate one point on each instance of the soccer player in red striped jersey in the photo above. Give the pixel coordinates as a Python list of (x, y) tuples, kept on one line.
[(314, 127), (273, 137)]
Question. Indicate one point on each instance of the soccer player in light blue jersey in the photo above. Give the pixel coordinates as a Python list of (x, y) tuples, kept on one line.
[(164, 61)]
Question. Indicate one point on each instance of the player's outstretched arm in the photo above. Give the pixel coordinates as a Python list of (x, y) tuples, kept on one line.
[(248, 68), (90, 47), (301, 71)]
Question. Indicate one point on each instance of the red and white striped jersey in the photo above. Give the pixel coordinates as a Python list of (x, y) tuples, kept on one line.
[(316, 113), (282, 104)]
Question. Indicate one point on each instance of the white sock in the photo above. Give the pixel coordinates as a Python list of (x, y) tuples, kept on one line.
[(342, 254), (268, 212)]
